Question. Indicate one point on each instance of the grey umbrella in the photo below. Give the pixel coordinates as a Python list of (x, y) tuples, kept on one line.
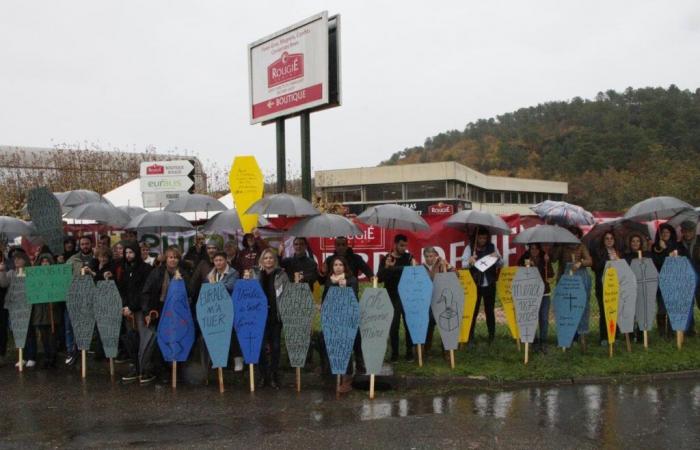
[(563, 213), (78, 197), (656, 208), (394, 217), (546, 234), (621, 228), (324, 225), (12, 228), (100, 212), (132, 211), (692, 215), (283, 205), (158, 221), (490, 221), (195, 203), (228, 222)]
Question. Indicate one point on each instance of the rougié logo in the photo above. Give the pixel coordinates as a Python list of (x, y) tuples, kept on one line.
[(288, 67)]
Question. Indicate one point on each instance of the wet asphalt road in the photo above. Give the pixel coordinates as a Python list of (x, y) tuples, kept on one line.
[(55, 409)]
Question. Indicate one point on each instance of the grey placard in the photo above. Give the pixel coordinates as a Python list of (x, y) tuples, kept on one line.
[(627, 300), (20, 310), (376, 314), (297, 310), (447, 305), (528, 289), (108, 315), (45, 211), (81, 311), (647, 278)]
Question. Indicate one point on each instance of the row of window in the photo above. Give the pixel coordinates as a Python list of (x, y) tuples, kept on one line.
[(433, 189)]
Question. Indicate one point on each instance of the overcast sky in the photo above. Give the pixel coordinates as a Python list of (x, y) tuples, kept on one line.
[(173, 74)]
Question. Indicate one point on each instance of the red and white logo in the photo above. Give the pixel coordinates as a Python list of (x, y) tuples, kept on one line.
[(441, 209), (155, 169), (289, 66)]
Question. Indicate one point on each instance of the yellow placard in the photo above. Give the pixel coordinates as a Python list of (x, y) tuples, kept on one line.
[(505, 294), (465, 278), (246, 182), (611, 298), (317, 292)]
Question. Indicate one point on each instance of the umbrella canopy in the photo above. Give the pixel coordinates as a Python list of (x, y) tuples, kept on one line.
[(563, 213), (656, 208), (546, 234), (195, 203), (78, 197), (158, 221), (283, 205), (324, 225), (132, 211), (621, 228), (692, 215), (100, 212), (12, 228), (393, 217), (228, 222), (487, 220)]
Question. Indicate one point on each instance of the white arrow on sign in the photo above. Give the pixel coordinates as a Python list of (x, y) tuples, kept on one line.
[(166, 168), (166, 184)]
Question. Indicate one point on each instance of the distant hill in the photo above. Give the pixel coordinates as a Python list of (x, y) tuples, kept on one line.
[(614, 150)]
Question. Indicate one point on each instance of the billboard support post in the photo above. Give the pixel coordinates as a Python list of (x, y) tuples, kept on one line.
[(281, 156), (306, 155)]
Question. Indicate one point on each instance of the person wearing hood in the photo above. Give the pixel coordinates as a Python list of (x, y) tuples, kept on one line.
[(20, 262), (690, 245), (665, 245), (130, 282), (300, 267), (69, 249)]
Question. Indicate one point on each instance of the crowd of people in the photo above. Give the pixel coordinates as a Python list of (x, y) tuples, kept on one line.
[(142, 278)]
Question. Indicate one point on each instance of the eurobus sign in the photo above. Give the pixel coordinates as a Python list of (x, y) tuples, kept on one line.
[(295, 69)]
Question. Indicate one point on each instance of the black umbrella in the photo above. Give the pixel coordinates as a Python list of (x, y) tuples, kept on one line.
[(157, 222), (656, 208), (282, 205), (487, 220), (12, 228), (195, 203), (228, 222), (324, 225), (621, 228), (393, 217), (99, 212), (546, 234)]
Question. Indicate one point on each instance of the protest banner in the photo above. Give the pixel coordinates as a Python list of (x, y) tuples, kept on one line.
[(215, 318), (340, 318), (296, 308), (45, 212), (48, 284), (611, 300), (80, 304), (447, 306), (20, 312), (246, 183), (505, 295), (627, 299), (569, 303), (647, 284), (376, 314), (469, 307), (527, 290), (677, 283), (250, 315), (175, 332), (415, 292), (108, 316)]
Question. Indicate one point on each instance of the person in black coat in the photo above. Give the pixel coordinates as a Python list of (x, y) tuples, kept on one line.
[(301, 266), (665, 244), (608, 250), (390, 270), (355, 262), (635, 244)]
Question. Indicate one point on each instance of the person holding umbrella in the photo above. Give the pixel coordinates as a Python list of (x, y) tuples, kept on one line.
[(665, 244), (300, 266), (480, 247), (355, 262), (607, 250), (434, 264), (535, 256), (636, 243)]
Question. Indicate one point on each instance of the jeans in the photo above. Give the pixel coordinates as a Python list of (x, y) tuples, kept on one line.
[(396, 325), (544, 319), (70, 340), (488, 294), (270, 350)]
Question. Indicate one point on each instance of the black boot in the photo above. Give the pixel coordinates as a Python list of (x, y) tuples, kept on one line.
[(275, 380)]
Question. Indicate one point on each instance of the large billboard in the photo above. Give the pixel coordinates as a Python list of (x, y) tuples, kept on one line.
[(295, 69)]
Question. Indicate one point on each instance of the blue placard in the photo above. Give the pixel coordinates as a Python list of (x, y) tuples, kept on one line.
[(176, 327), (416, 292), (677, 285), (250, 306), (215, 318), (569, 304), (340, 318)]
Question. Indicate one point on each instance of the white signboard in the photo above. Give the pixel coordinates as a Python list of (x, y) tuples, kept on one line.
[(166, 184), (160, 199), (166, 168), (165, 181), (288, 70)]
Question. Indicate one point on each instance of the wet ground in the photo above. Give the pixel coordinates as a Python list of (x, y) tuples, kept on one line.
[(55, 409)]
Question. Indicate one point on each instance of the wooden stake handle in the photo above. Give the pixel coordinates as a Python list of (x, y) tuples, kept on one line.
[(517, 344), (420, 355), (111, 367), (174, 375), (337, 384), (371, 387), (679, 339), (221, 379), (646, 340), (298, 371), (20, 365), (527, 352), (374, 282), (251, 374), (83, 363), (53, 325), (611, 349), (452, 359), (629, 342)]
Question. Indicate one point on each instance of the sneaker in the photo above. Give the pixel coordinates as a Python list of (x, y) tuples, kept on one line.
[(71, 358), (130, 377), (238, 364), (145, 379), (31, 363), (121, 359), (24, 363)]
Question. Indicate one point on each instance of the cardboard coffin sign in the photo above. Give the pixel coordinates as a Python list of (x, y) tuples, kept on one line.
[(611, 300), (469, 307), (176, 327), (528, 289), (415, 291), (677, 283), (504, 291), (45, 211), (20, 310), (340, 318), (627, 302), (108, 315), (447, 305), (48, 284), (376, 314), (647, 285), (215, 318), (250, 315), (569, 304), (297, 310), (80, 304)]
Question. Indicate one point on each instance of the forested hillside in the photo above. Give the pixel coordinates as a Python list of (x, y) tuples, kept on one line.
[(614, 150)]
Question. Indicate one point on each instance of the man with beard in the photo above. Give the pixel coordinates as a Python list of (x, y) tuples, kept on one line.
[(84, 258)]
